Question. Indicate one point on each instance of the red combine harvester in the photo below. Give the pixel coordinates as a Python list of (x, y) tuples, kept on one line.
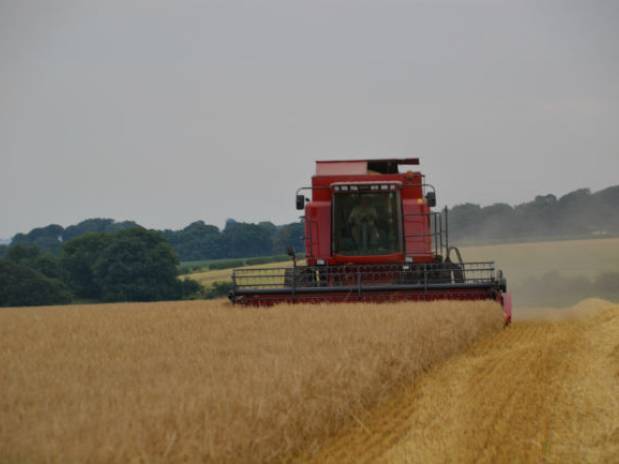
[(371, 236)]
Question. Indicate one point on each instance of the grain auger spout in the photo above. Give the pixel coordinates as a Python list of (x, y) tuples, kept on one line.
[(371, 235)]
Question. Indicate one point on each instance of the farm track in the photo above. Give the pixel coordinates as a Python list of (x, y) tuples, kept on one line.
[(540, 391)]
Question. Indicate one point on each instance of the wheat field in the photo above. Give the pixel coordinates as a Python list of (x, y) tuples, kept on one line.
[(208, 278), (208, 382), (546, 389), (521, 261)]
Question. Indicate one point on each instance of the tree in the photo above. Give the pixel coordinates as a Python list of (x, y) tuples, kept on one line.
[(78, 260), (497, 219), (218, 290), (289, 235), (32, 257), (23, 253), (464, 220), (191, 289), (47, 238), (243, 240), (575, 210), (96, 225), (604, 212), (137, 265), (197, 241), (23, 286)]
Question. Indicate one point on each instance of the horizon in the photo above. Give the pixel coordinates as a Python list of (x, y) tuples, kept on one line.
[(222, 226)]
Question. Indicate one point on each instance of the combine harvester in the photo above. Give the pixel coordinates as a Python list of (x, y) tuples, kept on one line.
[(371, 236)]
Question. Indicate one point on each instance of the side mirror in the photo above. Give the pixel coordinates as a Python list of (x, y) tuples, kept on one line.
[(290, 251), (431, 199), (300, 202)]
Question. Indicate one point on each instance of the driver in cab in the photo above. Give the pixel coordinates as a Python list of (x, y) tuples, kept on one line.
[(363, 219)]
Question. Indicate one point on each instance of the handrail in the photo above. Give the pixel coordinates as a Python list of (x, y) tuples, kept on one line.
[(362, 277)]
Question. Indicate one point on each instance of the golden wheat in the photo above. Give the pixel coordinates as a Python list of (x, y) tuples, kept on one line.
[(544, 390), (208, 382)]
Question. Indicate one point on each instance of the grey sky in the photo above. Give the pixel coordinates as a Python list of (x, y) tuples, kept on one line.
[(166, 112)]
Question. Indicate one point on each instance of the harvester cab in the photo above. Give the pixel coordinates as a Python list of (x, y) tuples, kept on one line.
[(371, 235)]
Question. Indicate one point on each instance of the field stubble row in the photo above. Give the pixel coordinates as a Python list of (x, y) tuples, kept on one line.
[(544, 390)]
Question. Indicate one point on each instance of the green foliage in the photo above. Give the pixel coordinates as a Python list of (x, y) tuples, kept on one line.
[(191, 289), (266, 260), (32, 257), (258, 260), (3, 250), (51, 238), (226, 264), (79, 257), (23, 286), (137, 265), (219, 290), (289, 235), (200, 241), (23, 253), (196, 241), (243, 239), (129, 265), (188, 267), (47, 238), (96, 225)]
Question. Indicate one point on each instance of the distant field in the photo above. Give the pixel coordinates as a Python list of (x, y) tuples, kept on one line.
[(208, 278), (570, 257), (207, 382), (228, 263), (519, 261)]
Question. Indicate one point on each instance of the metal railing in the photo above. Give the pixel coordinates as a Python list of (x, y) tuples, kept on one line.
[(365, 277)]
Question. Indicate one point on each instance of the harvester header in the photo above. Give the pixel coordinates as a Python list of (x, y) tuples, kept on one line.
[(371, 235)]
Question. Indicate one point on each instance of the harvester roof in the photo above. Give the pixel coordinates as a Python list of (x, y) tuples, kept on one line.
[(362, 167)]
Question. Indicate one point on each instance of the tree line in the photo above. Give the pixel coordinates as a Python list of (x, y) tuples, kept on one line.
[(197, 241), (132, 264), (577, 214), (580, 213)]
